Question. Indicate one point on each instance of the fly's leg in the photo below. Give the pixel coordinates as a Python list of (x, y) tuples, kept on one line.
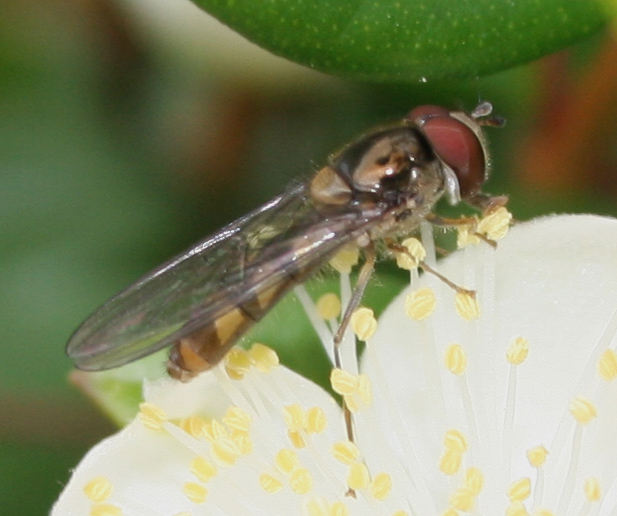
[(398, 248), (363, 278), (356, 297), (485, 203), (469, 222)]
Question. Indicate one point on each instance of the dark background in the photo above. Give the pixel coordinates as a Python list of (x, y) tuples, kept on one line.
[(129, 130)]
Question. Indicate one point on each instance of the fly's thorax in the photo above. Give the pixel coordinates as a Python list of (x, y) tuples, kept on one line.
[(386, 170), (405, 218)]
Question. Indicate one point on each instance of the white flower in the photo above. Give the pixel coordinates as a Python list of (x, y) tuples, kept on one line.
[(511, 410)]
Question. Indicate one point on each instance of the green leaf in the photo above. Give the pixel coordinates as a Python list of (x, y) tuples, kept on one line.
[(410, 40), (118, 392)]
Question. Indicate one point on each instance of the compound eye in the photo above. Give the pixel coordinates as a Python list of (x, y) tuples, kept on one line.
[(456, 144)]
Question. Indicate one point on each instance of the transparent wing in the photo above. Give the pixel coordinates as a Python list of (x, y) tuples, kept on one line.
[(225, 270)]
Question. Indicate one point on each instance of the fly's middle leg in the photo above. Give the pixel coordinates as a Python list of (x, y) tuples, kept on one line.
[(356, 297), (401, 249)]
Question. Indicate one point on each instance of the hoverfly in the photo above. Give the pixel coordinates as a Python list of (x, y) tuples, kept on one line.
[(382, 185)]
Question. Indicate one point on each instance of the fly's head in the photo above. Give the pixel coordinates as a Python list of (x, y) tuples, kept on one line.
[(461, 146)]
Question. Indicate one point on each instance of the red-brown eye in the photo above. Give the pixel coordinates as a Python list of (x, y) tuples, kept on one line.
[(456, 144)]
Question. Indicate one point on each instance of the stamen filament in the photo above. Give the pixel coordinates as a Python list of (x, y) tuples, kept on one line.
[(508, 420), (320, 326)]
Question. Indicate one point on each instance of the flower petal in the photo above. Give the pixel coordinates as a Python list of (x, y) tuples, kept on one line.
[(552, 283), (451, 414)]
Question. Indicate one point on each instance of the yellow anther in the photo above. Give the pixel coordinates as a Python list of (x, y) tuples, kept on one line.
[(363, 323), (216, 430), (152, 416), (195, 426), (316, 507), (263, 357), (329, 306), (206, 432), (296, 439), (343, 382), (517, 351), (474, 480), (316, 420), (195, 492), (462, 499), (225, 451), (414, 255), (351, 403), (301, 481), (106, 509), (466, 236), (455, 440), (234, 374), (449, 512), (98, 489), (519, 490), (338, 509), (295, 418), (237, 363), (582, 409), (358, 476), (516, 509), (592, 488), (244, 443), (420, 303), (269, 483), (286, 461), (466, 305), (402, 513), (381, 486), (237, 420), (543, 512), (450, 462), (455, 359), (345, 452), (203, 469), (537, 456), (345, 259), (495, 225), (607, 365)]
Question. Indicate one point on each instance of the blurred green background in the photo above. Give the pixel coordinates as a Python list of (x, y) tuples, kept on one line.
[(130, 129)]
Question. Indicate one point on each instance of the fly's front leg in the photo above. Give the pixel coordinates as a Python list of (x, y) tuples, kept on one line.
[(487, 204), (471, 223), (493, 210)]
